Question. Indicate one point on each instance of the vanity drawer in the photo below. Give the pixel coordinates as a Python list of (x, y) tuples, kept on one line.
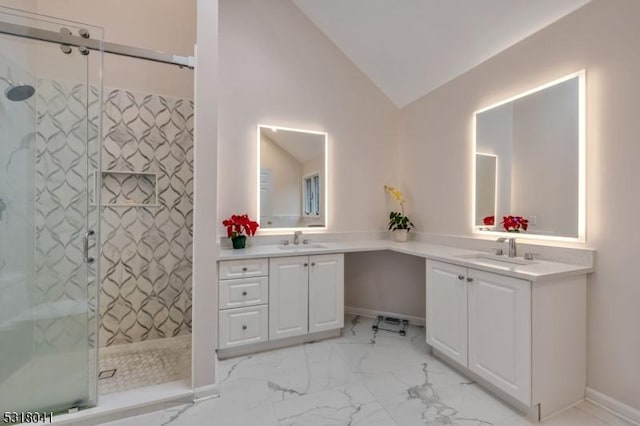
[(244, 268), (242, 326), (243, 292)]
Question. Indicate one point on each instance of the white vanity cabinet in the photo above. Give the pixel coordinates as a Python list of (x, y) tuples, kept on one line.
[(243, 297), (272, 299), (526, 339), (326, 292), (306, 295), (499, 331), (447, 310), (289, 295)]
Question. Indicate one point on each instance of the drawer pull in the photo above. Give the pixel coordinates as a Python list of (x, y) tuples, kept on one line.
[(313, 264), (244, 293), (306, 264), (244, 327), (469, 280), (244, 269), (461, 277)]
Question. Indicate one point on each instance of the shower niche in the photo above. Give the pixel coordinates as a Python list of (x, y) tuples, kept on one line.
[(129, 189)]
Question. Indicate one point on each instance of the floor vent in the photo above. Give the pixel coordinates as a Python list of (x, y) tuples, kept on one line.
[(107, 374)]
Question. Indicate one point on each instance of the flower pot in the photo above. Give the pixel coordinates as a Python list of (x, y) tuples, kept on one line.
[(401, 235), (239, 242)]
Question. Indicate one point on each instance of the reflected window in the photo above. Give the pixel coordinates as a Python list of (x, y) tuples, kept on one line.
[(312, 195)]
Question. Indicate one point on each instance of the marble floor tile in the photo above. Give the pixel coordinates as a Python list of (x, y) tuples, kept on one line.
[(317, 367), (243, 384), (361, 378), (210, 413), (347, 405)]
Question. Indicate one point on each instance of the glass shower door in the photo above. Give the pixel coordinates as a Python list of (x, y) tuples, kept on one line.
[(49, 154)]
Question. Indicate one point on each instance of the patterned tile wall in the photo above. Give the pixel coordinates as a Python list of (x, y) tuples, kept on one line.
[(146, 251), (66, 153)]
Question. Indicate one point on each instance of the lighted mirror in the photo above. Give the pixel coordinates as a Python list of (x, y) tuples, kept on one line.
[(291, 178), (530, 161)]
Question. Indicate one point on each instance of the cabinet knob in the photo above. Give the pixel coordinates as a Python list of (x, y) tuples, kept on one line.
[(244, 269), (313, 263), (244, 293), (306, 264), (244, 327), (469, 280), (461, 277)]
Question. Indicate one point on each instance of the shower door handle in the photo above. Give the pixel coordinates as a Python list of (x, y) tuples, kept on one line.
[(89, 233)]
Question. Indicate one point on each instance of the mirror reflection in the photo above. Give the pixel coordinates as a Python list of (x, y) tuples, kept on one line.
[(291, 178), (528, 160), (486, 175)]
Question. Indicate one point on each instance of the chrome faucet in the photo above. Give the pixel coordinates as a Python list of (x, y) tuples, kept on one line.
[(296, 237), (512, 245)]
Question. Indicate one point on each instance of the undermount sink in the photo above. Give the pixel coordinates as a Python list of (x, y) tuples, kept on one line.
[(497, 258), (294, 247)]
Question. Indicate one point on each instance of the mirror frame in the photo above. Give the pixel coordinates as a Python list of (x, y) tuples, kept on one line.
[(581, 75), (325, 189)]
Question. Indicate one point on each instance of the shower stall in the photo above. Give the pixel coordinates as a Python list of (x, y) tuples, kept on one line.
[(96, 205), (49, 224)]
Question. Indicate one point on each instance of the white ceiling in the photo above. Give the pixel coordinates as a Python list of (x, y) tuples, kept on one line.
[(410, 47)]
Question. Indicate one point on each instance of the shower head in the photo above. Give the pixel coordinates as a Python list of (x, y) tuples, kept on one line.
[(19, 92)]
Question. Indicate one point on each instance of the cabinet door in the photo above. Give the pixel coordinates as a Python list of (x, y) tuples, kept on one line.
[(326, 292), (447, 310), (500, 332), (288, 296)]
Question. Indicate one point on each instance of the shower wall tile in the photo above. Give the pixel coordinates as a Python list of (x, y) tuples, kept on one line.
[(145, 277), (146, 251), (66, 150)]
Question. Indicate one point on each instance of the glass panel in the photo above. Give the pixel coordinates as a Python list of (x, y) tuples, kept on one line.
[(49, 149)]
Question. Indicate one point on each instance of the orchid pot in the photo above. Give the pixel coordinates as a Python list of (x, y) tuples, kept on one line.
[(401, 235), (399, 222)]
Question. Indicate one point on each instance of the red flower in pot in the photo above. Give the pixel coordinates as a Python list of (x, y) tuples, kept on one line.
[(489, 221), (238, 228), (515, 223)]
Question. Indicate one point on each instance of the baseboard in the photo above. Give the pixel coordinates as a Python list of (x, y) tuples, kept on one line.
[(205, 392), (613, 405), (372, 313), (276, 344)]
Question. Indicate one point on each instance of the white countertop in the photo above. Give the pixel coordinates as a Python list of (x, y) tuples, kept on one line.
[(536, 270)]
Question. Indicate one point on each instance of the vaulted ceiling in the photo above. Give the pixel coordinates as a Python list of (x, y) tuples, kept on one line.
[(410, 47)]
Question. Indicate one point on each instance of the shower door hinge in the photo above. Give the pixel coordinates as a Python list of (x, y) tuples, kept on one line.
[(66, 49)]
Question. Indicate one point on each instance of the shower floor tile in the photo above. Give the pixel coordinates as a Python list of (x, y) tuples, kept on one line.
[(144, 364)]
